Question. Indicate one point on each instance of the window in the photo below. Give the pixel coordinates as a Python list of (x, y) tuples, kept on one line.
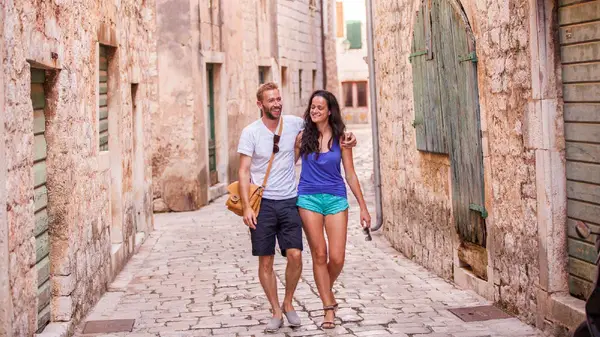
[(339, 19), (355, 94), (361, 93), (348, 97), (314, 80), (103, 102), (264, 75), (354, 34)]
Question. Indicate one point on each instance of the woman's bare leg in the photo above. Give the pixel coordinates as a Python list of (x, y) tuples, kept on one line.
[(336, 226), (313, 227)]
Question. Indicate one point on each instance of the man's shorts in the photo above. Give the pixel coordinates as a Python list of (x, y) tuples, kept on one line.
[(276, 219), (325, 204)]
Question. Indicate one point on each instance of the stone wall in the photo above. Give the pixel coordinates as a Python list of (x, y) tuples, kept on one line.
[(416, 186), (237, 37), (300, 50), (91, 194)]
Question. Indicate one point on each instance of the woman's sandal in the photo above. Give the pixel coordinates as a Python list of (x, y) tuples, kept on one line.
[(328, 324)]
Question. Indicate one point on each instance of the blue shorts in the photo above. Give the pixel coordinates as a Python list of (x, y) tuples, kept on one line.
[(324, 203), (277, 219)]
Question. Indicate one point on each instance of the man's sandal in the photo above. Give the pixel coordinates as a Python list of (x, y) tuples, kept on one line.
[(328, 324)]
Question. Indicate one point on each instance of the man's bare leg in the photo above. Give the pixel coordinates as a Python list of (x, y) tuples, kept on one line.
[(266, 274), (293, 271)]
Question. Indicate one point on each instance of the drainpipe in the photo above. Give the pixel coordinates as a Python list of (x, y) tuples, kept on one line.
[(323, 54), (374, 123)]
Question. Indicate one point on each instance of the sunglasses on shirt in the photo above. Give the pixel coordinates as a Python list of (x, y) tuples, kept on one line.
[(276, 143)]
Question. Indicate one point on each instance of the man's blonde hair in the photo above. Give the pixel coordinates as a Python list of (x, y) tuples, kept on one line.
[(265, 87)]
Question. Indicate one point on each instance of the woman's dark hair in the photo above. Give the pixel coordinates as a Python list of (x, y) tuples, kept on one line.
[(311, 135)]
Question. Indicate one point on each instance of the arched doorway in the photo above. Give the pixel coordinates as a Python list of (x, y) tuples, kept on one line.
[(446, 100)]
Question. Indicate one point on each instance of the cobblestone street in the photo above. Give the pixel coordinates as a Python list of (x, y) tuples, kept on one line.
[(195, 276)]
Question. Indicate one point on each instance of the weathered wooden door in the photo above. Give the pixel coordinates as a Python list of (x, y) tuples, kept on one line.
[(212, 151), (580, 56), (446, 120), (457, 65), (42, 242)]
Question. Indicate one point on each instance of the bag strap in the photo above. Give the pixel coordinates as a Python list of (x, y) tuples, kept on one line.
[(272, 155)]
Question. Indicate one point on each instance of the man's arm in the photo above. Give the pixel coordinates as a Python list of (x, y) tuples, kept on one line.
[(244, 180)]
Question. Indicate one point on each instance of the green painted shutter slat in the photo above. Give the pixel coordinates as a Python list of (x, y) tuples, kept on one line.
[(583, 211), (103, 102), (587, 172), (41, 222), (37, 96), (43, 318), (354, 34), (103, 126), (44, 294), (42, 246), (582, 250), (582, 151), (103, 88), (39, 152), (39, 173), (40, 198), (43, 271), (582, 269), (103, 76), (582, 112), (39, 122)]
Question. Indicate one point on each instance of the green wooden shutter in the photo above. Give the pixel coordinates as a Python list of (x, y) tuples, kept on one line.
[(579, 34), (103, 104), (429, 121), (42, 244), (353, 34)]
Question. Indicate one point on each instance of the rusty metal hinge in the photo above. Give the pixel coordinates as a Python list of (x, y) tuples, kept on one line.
[(472, 56), (417, 53), (480, 209)]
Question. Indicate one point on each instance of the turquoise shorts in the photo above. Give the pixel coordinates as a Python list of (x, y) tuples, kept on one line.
[(325, 204)]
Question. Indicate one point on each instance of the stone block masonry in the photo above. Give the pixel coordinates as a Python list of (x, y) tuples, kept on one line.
[(97, 202)]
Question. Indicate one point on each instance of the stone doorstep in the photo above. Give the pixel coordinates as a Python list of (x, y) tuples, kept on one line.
[(464, 279), (566, 310), (56, 329), (216, 191)]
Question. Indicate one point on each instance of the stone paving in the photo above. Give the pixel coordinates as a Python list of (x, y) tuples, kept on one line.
[(195, 276)]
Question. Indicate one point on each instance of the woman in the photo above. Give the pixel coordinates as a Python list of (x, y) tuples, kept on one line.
[(322, 198)]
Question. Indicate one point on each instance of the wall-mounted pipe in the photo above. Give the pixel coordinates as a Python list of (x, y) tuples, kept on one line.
[(374, 123)]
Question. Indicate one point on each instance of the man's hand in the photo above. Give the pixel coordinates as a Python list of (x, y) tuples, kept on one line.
[(250, 218), (349, 140)]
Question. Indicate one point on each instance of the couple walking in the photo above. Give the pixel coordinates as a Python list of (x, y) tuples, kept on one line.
[(319, 203)]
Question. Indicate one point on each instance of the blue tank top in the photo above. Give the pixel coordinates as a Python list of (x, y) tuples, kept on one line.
[(323, 175)]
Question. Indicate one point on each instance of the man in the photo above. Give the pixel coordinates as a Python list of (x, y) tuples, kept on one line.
[(278, 216)]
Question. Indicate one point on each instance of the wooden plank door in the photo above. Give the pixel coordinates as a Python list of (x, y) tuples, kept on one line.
[(212, 151), (580, 56), (457, 65), (42, 242)]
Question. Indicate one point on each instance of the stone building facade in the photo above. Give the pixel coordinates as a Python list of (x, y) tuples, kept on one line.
[(212, 56), (486, 172), (78, 85)]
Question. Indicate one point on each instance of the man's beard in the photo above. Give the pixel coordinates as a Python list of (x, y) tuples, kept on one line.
[(268, 113)]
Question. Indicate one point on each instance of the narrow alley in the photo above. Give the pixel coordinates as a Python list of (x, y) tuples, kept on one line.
[(195, 276)]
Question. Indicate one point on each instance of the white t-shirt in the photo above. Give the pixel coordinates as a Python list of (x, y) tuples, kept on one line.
[(256, 141)]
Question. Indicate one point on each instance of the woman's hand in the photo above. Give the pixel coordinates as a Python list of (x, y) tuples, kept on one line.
[(365, 218)]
